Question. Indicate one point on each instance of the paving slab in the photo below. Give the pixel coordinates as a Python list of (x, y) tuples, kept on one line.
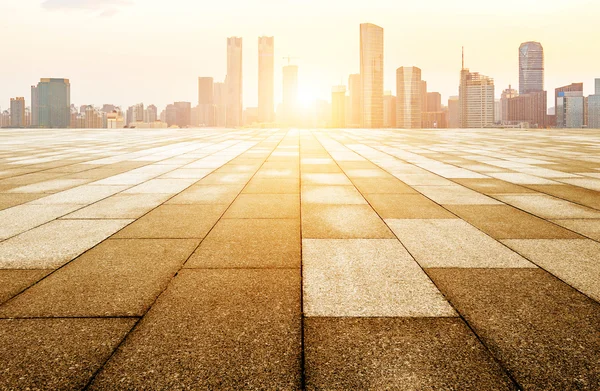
[(586, 227), (453, 243), (397, 353), (545, 333), (56, 354), (119, 277), (265, 206), (366, 278), (22, 218), (250, 243), (55, 243), (407, 206), (549, 207), (332, 195), (13, 282), (273, 186), (175, 222), (120, 206), (342, 222), (207, 194), (225, 329)]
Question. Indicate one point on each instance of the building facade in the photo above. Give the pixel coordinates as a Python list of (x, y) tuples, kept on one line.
[(593, 107), (389, 110), (51, 102), (17, 112), (476, 100), (570, 110), (234, 82), (530, 109), (371, 75), (206, 102), (338, 107), (266, 79), (531, 67), (453, 112), (408, 98)]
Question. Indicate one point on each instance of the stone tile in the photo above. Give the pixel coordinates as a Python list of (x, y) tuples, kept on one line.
[(226, 329), (407, 206), (587, 227), (264, 206), (56, 354), (250, 243), (226, 179), (453, 243), (120, 206), (206, 195), (492, 186), (382, 186), (574, 194), (175, 222), (273, 186), (506, 222), (82, 195), (161, 186), (397, 353), (342, 222), (575, 261), (325, 179), (549, 207), (542, 331), (22, 218), (55, 243), (519, 178), (187, 173), (8, 200), (51, 186), (13, 282), (116, 278), (331, 195), (455, 195), (366, 278)]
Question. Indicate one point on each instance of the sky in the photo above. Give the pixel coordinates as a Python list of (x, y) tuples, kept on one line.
[(152, 51)]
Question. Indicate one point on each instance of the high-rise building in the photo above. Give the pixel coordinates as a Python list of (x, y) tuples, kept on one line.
[(17, 112), (35, 109), (371, 75), (233, 82), (574, 87), (290, 94), (453, 112), (530, 108), (354, 108), (52, 103), (498, 111), (507, 94), (531, 67), (220, 97), (476, 99), (593, 107), (424, 107), (206, 102), (389, 110), (570, 110), (135, 113), (434, 102), (151, 114), (338, 106), (171, 115), (266, 79), (408, 97), (183, 114)]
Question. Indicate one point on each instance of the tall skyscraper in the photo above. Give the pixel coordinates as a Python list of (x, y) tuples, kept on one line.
[(434, 102), (234, 82), (408, 97), (354, 108), (371, 75), (17, 112), (266, 79), (506, 96), (476, 99), (574, 87), (531, 67), (338, 106), (53, 103), (389, 110), (35, 107), (183, 114), (453, 112), (151, 114), (570, 110), (206, 102), (594, 107), (290, 94)]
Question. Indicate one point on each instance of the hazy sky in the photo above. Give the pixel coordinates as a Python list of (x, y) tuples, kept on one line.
[(127, 51)]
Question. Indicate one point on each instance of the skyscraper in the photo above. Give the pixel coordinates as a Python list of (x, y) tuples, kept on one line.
[(573, 87), (338, 106), (389, 110), (570, 110), (220, 97), (206, 102), (35, 107), (453, 112), (17, 112), (183, 114), (53, 104), (233, 82), (531, 67), (290, 94), (354, 87), (475, 99), (266, 79), (594, 107), (371, 75), (506, 96), (408, 97)]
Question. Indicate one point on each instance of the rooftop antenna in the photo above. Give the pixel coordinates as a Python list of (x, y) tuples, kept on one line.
[(463, 57)]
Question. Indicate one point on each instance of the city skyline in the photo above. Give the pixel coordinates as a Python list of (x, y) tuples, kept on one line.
[(155, 55)]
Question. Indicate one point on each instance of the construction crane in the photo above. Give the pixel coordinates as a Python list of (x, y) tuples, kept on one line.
[(290, 58)]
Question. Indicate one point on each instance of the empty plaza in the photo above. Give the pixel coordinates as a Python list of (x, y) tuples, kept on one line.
[(286, 259)]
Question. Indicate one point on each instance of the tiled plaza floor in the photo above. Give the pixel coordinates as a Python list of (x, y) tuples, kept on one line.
[(299, 259)]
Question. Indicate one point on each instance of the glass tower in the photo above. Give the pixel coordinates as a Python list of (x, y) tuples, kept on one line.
[(371, 72), (531, 68)]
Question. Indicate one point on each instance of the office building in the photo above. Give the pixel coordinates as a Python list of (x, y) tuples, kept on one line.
[(220, 97), (528, 109), (183, 114), (434, 102), (453, 112), (531, 68), (205, 112), (574, 87), (371, 75), (408, 98), (570, 110), (338, 107), (290, 94), (17, 112), (51, 103), (266, 79), (593, 107), (505, 97), (233, 82), (354, 107), (476, 99), (389, 110), (151, 114)]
